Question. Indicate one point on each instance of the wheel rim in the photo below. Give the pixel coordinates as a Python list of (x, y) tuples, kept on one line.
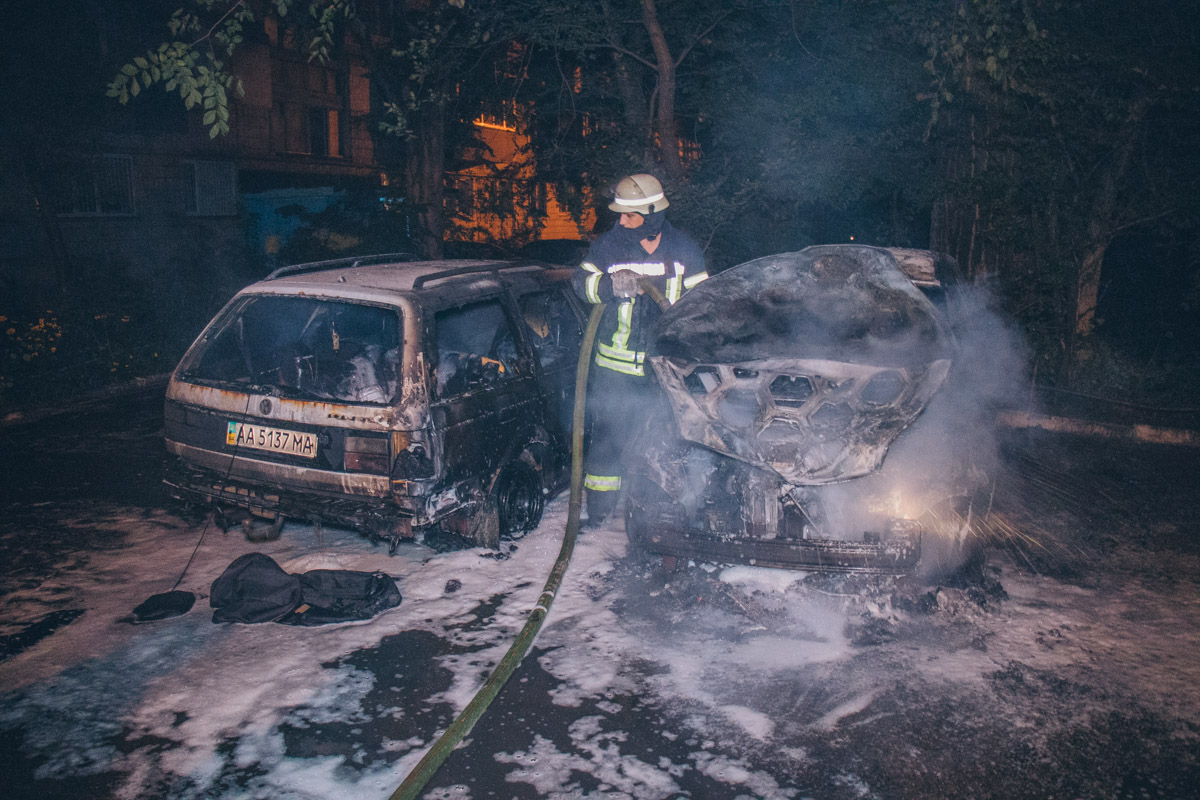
[(519, 500)]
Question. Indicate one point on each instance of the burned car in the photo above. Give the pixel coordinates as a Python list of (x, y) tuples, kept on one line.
[(802, 427), (392, 396)]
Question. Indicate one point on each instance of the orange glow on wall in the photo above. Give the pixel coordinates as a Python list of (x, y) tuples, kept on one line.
[(501, 200)]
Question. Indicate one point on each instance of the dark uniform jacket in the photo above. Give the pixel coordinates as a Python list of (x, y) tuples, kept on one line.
[(677, 264)]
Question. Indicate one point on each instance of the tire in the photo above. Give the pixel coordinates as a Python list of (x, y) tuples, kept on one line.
[(519, 498)]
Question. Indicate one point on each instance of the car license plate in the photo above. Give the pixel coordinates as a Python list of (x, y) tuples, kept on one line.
[(275, 440)]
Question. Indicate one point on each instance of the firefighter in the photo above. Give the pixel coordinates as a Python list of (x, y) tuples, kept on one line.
[(641, 245)]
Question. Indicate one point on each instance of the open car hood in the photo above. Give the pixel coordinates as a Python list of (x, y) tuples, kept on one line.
[(809, 364)]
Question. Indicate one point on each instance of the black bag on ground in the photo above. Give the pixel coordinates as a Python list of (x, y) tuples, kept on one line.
[(341, 595), (256, 589), (164, 605)]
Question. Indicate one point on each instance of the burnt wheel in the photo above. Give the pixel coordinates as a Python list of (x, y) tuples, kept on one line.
[(519, 499)]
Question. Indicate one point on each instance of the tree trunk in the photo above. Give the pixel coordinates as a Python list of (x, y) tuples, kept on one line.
[(668, 132), (1102, 227), (424, 177), (1087, 287), (424, 155), (629, 86), (1102, 224)]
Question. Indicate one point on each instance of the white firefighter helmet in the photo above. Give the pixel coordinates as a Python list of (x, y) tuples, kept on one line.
[(638, 194)]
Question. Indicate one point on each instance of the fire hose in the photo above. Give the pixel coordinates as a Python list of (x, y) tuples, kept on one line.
[(465, 721)]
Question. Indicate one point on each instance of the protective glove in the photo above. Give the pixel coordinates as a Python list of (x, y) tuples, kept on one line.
[(625, 283)]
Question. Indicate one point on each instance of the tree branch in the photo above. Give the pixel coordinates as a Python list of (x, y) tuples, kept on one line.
[(796, 34), (631, 54), (700, 36), (221, 19), (1133, 223)]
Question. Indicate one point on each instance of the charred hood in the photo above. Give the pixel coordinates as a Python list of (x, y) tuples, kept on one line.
[(834, 302), (808, 364)]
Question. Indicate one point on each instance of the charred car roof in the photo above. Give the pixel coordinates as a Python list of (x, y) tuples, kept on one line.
[(444, 280)]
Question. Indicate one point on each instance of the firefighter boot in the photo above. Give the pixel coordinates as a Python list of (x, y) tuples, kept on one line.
[(600, 505)]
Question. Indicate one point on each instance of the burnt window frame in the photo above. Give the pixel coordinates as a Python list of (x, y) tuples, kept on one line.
[(568, 300), (228, 316), (522, 361)]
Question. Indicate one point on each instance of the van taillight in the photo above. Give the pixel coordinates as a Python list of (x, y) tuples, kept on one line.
[(364, 454)]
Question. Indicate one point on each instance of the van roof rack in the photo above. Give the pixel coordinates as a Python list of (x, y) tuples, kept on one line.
[(492, 267), (337, 263)]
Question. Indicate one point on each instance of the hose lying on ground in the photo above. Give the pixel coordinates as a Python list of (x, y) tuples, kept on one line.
[(441, 749)]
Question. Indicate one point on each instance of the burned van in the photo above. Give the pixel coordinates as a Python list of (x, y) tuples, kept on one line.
[(790, 438), (388, 395)]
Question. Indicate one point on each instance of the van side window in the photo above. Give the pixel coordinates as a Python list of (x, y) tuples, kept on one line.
[(552, 327), (476, 347)]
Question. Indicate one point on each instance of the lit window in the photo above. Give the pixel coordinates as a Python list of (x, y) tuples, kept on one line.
[(500, 116), (213, 188)]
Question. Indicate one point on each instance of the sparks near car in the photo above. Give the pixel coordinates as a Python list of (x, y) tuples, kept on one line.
[(395, 397)]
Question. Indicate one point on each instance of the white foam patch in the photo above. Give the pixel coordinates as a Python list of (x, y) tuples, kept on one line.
[(765, 578), (755, 723), (602, 644), (598, 753), (830, 720), (735, 772)]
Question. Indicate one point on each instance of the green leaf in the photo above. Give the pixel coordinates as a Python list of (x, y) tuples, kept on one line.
[(209, 117), (141, 62), (134, 88)]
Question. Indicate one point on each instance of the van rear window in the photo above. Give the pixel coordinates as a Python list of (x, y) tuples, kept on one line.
[(304, 348)]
